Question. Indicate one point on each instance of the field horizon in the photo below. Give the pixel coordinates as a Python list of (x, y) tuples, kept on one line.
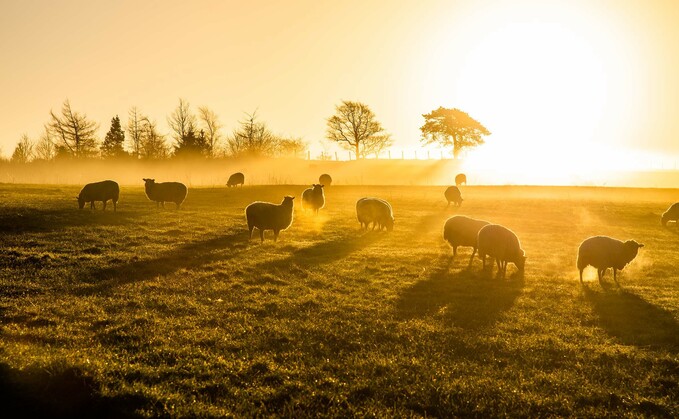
[(161, 312)]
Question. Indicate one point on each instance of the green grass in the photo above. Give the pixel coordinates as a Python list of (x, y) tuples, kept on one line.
[(176, 313)]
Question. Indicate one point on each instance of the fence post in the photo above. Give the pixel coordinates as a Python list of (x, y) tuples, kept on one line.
[(402, 155), (308, 155), (415, 154), (675, 165), (428, 158)]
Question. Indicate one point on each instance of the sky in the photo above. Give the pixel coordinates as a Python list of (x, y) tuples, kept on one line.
[(560, 84)]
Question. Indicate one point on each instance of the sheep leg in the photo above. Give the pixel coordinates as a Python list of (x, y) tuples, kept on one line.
[(275, 235), (483, 258), (471, 259), (261, 235), (455, 251), (115, 205), (581, 276), (92, 205), (251, 228), (104, 206), (615, 278)]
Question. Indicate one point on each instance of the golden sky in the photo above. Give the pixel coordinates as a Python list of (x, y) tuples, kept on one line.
[(548, 78)]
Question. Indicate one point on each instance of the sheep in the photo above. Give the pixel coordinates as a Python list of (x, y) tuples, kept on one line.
[(463, 231), (672, 214), (460, 179), (501, 243), (313, 198), (603, 252), (325, 179), (236, 179), (453, 194), (376, 211), (99, 191), (165, 192), (268, 216)]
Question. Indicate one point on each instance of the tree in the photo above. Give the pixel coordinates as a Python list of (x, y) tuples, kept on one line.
[(291, 147), (354, 127), (74, 132), (135, 130), (152, 144), (181, 121), (452, 128), (210, 126), (252, 138), (23, 152), (112, 147), (192, 144), (45, 148)]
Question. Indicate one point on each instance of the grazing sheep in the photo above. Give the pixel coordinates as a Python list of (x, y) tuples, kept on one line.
[(604, 252), (463, 231), (313, 198), (236, 179), (453, 194), (268, 216), (460, 179), (376, 211), (99, 191), (500, 243), (165, 192), (672, 214), (325, 180)]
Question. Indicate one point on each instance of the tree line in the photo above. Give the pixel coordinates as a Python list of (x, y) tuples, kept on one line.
[(71, 134)]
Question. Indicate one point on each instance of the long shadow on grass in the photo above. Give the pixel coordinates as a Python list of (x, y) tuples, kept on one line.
[(16, 220), (62, 393), (188, 256), (634, 321), (467, 298)]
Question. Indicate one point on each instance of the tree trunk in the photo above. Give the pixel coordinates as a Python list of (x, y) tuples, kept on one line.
[(357, 155)]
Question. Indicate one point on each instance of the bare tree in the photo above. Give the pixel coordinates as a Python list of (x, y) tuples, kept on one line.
[(135, 129), (354, 127), (45, 149), (152, 144), (182, 121), (209, 124), (74, 132), (23, 153), (292, 147), (252, 138)]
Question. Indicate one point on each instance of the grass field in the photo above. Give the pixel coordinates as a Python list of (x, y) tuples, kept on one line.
[(176, 313)]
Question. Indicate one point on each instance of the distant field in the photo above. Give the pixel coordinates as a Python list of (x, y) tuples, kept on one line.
[(176, 313)]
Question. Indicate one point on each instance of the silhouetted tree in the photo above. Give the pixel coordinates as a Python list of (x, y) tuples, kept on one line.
[(291, 147), (74, 132), (112, 147), (354, 127), (181, 121), (45, 148), (23, 152), (210, 125), (152, 144), (452, 128), (135, 130), (252, 138), (192, 144)]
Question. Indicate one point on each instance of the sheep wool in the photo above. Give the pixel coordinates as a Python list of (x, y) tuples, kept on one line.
[(501, 243), (463, 231), (165, 192), (604, 252), (376, 211), (313, 198), (99, 191), (453, 195), (672, 214), (269, 216)]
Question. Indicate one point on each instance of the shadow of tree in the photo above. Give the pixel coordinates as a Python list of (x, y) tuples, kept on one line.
[(634, 321), (466, 298), (22, 220), (65, 392), (189, 256)]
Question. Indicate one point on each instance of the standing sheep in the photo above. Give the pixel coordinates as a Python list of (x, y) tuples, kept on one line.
[(463, 231), (376, 211), (236, 179), (325, 180), (604, 252), (313, 198), (165, 192), (99, 191), (501, 243), (672, 214), (453, 194), (268, 216), (460, 179)]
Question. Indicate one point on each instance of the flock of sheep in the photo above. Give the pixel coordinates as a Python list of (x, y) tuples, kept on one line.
[(493, 240)]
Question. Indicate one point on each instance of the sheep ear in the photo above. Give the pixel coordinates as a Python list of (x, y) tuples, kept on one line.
[(640, 244)]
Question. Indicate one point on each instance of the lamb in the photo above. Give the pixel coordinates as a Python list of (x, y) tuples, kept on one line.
[(165, 192), (236, 179), (99, 191), (313, 198), (376, 211), (463, 231), (604, 252), (453, 194), (460, 179), (501, 243), (269, 216), (325, 180), (672, 214)]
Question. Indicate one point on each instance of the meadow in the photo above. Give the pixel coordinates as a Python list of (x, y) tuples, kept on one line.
[(159, 312)]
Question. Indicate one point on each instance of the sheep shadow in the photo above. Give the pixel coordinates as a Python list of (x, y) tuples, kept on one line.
[(64, 392), (17, 220), (465, 298), (189, 256), (674, 229), (634, 321)]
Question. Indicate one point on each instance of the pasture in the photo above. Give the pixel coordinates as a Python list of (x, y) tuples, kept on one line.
[(176, 313)]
